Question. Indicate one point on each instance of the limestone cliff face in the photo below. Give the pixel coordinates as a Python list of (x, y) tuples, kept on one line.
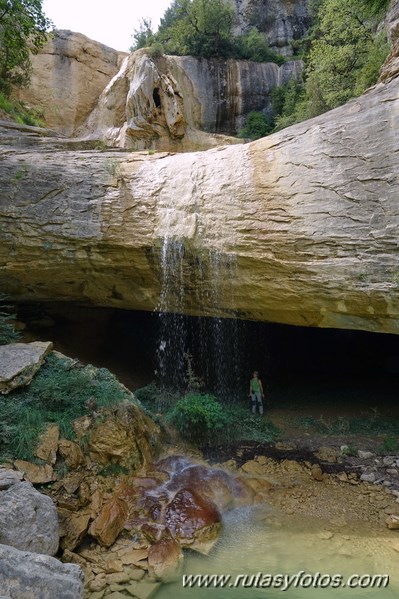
[(168, 103), (300, 227), (283, 21), (68, 75), (392, 21)]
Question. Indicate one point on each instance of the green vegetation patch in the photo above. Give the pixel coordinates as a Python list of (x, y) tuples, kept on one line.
[(20, 113), (201, 418), (58, 393), (202, 28)]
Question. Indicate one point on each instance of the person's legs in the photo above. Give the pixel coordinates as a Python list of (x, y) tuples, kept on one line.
[(260, 402), (253, 396)]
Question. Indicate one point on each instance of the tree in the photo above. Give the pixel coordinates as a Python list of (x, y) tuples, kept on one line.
[(345, 46), (197, 28), (256, 125), (23, 28), (143, 37)]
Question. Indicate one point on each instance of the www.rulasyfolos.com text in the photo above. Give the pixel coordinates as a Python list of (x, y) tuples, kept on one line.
[(284, 582)]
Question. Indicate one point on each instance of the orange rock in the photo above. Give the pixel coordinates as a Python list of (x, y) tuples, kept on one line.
[(48, 444), (165, 559), (71, 453), (110, 522), (73, 528), (193, 520), (35, 474)]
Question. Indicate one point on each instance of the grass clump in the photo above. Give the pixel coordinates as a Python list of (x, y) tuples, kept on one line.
[(389, 445), (58, 393), (251, 427)]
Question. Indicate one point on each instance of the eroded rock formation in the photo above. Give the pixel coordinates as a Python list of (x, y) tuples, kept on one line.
[(68, 75), (299, 227), (179, 103)]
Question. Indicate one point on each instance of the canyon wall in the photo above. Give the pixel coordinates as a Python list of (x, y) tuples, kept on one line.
[(68, 75), (300, 227), (282, 21), (182, 103)]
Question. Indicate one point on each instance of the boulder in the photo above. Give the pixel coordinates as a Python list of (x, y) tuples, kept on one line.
[(28, 519), (127, 437), (193, 521), (71, 453), (110, 522), (25, 575), (19, 363), (212, 484), (73, 528)]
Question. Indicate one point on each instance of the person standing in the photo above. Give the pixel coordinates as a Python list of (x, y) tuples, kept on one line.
[(256, 392)]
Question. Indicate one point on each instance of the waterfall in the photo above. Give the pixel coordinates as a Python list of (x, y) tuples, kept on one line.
[(193, 280)]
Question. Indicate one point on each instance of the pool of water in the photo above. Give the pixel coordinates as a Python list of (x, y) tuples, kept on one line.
[(256, 544)]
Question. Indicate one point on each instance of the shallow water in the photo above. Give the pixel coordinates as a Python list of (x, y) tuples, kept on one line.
[(256, 542)]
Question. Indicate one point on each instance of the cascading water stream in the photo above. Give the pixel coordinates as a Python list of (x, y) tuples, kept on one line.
[(196, 278)]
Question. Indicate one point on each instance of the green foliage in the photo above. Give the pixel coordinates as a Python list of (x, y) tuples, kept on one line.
[(143, 37), (20, 113), (345, 56), (203, 28), (349, 451), (243, 425), (254, 46), (113, 470), (374, 7), (199, 417), (198, 28), (256, 125), (155, 399), (388, 445), (364, 425), (23, 28), (288, 103), (155, 50), (8, 334), (58, 393)]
